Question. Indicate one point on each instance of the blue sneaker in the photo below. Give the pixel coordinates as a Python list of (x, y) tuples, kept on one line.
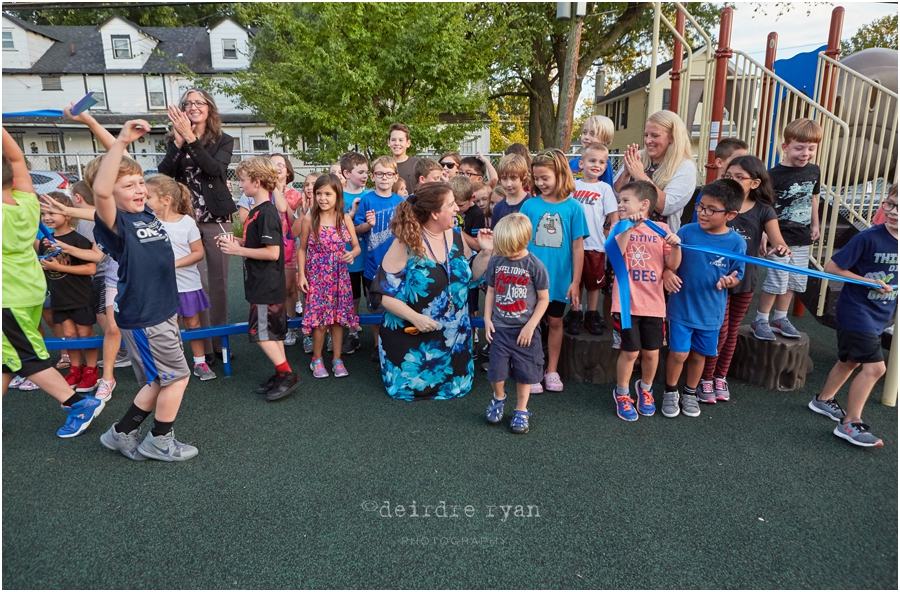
[(81, 414), (646, 405), (625, 407), (519, 423), (494, 411)]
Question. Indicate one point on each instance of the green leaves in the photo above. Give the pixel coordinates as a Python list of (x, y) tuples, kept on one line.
[(882, 32)]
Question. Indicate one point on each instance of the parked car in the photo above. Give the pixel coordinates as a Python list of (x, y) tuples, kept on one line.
[(46, 181)]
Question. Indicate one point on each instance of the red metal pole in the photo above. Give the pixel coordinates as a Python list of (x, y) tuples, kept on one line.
[(833, 51), (675, 73), (768, 86), (723, 54)]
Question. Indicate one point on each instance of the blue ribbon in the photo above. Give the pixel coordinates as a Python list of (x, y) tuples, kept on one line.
[(617, 261), (40, 113)]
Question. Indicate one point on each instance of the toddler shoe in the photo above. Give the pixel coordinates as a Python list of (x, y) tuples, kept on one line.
[(494, 411), (670, 406), (74, 376), (318, 368), (706, 393), (720, 385), (553, 382), (519, 422), (536, 388), (337, 366)]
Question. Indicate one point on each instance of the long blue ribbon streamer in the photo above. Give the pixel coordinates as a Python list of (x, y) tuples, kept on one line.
[(40, 113)]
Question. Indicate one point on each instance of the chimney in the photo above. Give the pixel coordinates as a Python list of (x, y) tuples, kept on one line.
[(72, 49), (600, 85)]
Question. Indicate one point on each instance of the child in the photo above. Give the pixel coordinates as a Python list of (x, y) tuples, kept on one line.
[(481, 193), (596, 129), (449, 165), (171, 203), (757, 216), (497, 195), (147, 304), (355, 169), (861, 316), (427, 170), (373, 223), (517, 298), (521, 150), (646, 255), (795, 181), (399, 142), (323, 260), (71, 291), (308, 183), (468, 216), (515, 177), (335, 170), (726, 150), (475, 167), (263, 254), (697, 310), (24, 288), (600, 209), (399, 188), (559, 231), (294, 200)]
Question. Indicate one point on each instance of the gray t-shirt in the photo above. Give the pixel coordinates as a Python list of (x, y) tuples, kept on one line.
[(86, 229), (407, 171), (515, 286)]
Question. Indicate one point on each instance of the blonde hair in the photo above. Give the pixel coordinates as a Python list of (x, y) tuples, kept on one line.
[(128, 166), (678, 152), (387, 162), (462, 189), (595, 147), (514, 165), (512, 234), (601, 127), (164, 186), (802, 130), (259, 168), (555, 160)]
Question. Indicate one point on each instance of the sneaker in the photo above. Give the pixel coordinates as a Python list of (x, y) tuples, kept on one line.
[(290, 338), (593, 322), (486, 350), (475, 336), (720, 386), (646, 405), (166, 448), (670, 406), (573, 322), (494, 411), (536, 389), (856, 432), (625, 407), (553, 382), (519, 422), (329, 347), (299, 308), (284, 386), (127, 444), (74, 376), (307, 344), (88, 380), (267, 385), (211, 360), (81, 414), (762, 331), (318, 368), (690, 405), (338, 368), (830, 408), (785, 328), (122, 359), (706, 393), (16, 382), (105, 389), (351, 345), (375, 357), (203, 372), (486, 365), (27, 385)]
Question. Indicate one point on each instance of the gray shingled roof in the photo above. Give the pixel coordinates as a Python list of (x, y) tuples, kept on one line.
[(30, 27), (637, 81)]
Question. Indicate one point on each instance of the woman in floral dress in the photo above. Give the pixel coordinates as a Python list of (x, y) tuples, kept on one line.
[(425, 346)]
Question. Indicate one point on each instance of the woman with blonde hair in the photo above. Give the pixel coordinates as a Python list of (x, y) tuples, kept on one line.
[(667, 162)]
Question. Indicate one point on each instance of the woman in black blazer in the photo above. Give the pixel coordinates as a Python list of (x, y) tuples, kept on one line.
[(198, 155)]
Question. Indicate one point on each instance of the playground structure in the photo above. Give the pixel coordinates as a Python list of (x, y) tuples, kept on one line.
[(855, 102)]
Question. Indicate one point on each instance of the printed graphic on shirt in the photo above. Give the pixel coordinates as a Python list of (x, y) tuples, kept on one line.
[(586, 197), (381, 232), (147, 233), (638, 257), (549, 231), (884, 259), (511, 287), (795, 203), (719, 262)]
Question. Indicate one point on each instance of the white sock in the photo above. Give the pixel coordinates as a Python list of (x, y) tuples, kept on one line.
[(646, 387), (779, 314), (200, 360), (761, 316)]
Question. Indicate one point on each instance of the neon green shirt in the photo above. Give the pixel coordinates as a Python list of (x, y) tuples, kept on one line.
[(24, 284)]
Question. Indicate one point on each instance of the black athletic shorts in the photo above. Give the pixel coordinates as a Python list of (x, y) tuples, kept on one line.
[(556, 309), (86, 317), (268, 322), (356, 282), (862, 348), (647, 333)]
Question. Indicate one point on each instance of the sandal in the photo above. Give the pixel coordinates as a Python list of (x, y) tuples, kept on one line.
[(337, 366), (553, 382), (495, 410), (64, 362), (519, 423)]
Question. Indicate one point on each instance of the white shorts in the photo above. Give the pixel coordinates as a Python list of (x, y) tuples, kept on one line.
[(779, 282)]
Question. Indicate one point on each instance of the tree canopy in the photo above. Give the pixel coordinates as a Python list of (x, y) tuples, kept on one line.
[(882, 32), (158, 15)]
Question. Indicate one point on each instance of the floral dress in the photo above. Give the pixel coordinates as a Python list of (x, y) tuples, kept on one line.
[(436, 364), (330, 299)]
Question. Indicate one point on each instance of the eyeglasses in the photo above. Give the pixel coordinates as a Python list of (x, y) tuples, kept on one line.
[(280, 167), (471, 175), (197, 104), (889, 206), (449, 165), (737, 178), (707, 211), (380, 175)]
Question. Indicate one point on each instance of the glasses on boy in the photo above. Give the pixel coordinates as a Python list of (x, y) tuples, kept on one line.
[(889, 206), (707, 211), (381, 175), (471, 175)]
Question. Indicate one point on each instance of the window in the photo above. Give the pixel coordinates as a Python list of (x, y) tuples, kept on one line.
[(623, 116), (19, 137), (8, 43), (236, 151), (229, 49), (667, 99), (156, 92), (121, 45), (96, 85), (260, 145), (51, 83)]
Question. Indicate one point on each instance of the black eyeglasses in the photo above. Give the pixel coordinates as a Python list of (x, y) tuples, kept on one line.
[(707, 210), (889, 206), (448, 165), (472, 175), (198, 104)]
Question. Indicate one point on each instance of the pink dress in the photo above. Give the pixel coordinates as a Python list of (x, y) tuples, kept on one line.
[(330, 298)]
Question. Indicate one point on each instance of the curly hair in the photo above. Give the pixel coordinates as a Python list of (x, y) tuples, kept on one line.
[(412, 213), (259, 168)]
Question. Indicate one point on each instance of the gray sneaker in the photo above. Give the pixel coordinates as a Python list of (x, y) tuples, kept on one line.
[(856, 432), (690, 405), (329, 346), (785, 328), (706, 392), (307, 344), (830, 408), (351, 344), (166, 448), (670, 404), (762, 331), (127, 444), (203, 372)]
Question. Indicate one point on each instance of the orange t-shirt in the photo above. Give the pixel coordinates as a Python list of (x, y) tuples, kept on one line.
[(645, 259)]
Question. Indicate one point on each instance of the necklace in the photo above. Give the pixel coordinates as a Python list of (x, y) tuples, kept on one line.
[(434, 234)]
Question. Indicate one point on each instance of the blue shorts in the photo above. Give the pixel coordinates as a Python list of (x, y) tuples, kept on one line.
[(683, 339), (525, 365)]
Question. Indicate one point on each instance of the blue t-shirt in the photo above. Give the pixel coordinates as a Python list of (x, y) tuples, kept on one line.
[(359, 264), (502, 208), (148, 292), (379, 238), (606, 177), (556, 225), (699, 305), (872, 254)]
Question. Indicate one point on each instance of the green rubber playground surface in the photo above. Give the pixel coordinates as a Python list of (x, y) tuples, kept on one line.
[(303, 493)]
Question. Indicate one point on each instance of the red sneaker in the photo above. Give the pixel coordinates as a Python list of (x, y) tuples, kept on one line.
[(74, 376), (88, 380)]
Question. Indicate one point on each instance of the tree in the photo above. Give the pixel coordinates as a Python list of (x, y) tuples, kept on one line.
[(882, 32), (163, 15), (338, 75)]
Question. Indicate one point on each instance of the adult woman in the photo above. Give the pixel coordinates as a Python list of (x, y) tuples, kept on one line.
[(666, 161), (198, 154), (425, 345)]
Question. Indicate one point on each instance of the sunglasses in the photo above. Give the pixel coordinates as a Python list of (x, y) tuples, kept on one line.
[(449, 165)]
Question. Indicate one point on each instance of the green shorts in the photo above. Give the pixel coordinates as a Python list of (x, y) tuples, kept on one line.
[(24, 352)]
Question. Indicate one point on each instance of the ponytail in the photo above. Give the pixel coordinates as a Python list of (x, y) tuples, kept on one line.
[(413, 212)]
